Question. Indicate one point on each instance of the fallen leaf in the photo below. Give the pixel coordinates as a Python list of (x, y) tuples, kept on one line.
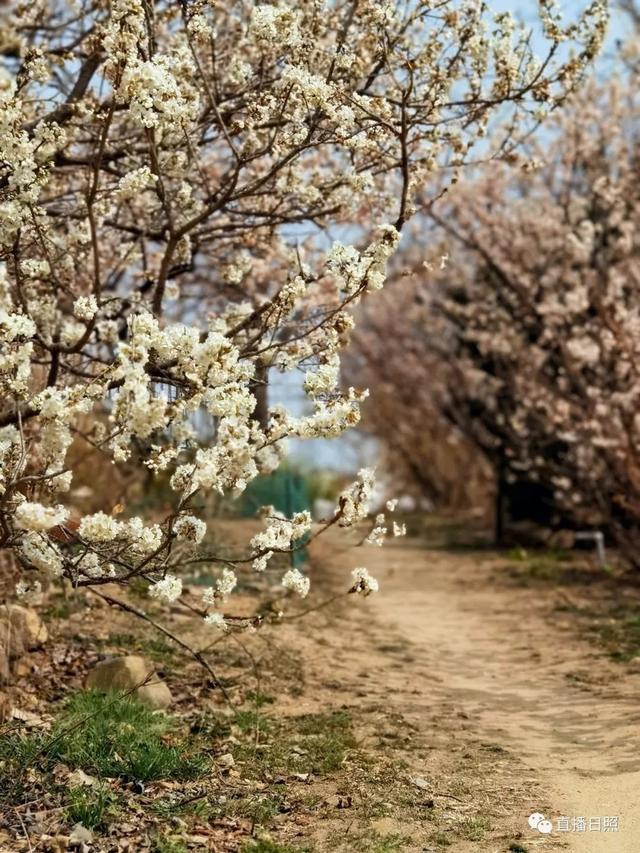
[(80, 835), (78, 778)]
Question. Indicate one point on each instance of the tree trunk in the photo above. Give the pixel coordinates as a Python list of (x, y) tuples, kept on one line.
[(498, 529)]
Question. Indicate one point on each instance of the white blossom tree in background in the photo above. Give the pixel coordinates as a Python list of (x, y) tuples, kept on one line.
[(546, 325), (423, 452), (531, 329), (158, 162)]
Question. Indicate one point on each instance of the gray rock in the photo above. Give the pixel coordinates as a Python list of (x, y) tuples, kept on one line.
[(129, 672)]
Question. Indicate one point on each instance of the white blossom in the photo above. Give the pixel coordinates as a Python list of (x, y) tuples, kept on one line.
[(134, 182), (376, 536), (169, 588), (36, 517), (296, 581), (354, 502), (260, 563), (155, 170), (190, 529), (85, 308), (41, 553), (216, 620), (99, 527), (364, 583)]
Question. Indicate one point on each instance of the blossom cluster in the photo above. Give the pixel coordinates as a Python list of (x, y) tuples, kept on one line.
[(157, 167)]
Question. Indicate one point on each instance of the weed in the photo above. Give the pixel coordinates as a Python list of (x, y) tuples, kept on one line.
[(620, 632), (259, 808), (58, 609), (266, 746), (112, 736), (92, 807), (259, 700), (312, 743), (376, 843), (540, 564), (265, 845), (163, 844), (474, 828), (18, 751), (106, 735)]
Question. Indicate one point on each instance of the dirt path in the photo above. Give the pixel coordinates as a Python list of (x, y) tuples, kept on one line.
[(479, 663), (452, 705)]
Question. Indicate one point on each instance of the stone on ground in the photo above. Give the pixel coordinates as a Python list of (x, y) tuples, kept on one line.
[(21, 630), (129, 672), (6, 708), (4, 666)]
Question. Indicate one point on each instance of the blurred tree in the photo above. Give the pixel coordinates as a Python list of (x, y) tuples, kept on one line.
[(528, 338)]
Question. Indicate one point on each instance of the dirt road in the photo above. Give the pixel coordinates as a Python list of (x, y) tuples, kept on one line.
[(481, 664), (453, 704)]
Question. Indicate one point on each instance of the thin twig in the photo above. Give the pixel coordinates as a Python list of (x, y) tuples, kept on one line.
[(129, 608), (24, 829)]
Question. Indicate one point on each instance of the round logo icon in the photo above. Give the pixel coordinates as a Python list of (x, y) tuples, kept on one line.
[(538, 821), (534, 819)]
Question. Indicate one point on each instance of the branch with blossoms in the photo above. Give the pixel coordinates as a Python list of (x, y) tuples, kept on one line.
[(172, 177)]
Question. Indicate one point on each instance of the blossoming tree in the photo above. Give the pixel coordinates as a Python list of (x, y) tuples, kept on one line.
[(393, 348), (547, 327), (533, 323), (170, 174)]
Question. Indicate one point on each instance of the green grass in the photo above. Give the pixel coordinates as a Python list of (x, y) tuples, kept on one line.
[(619, 631), (271, 750), (266, 746), (93, 807), (59, 608), (373, 842), (612, 621), (541, 564), (259, 700), (265, 845), (169, 845), (311, 743), (474, 828), (111, 736), (106, 736), (278, 758), (18, 752)]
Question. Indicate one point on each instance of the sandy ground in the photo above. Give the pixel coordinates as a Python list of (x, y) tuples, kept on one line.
[(472, 681), (478, 648)]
